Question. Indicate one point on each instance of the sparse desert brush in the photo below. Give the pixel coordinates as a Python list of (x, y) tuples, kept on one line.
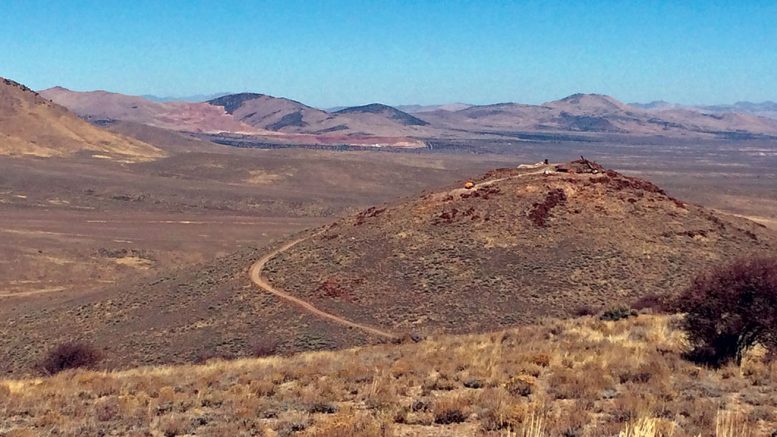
[(534, 424), (565, 383), (451, 409), (592, 378), (263, 348), (174, 424), (732, 424), (648, 427), (498, 410), (293, 421), (71, 355), (381, 393), (521, 385), (351, 424)]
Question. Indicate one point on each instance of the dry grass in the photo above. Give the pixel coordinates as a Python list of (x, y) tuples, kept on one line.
[(583, 377)]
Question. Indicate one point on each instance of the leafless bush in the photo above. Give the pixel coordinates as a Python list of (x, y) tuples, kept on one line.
[(730, 309), (69, 355)]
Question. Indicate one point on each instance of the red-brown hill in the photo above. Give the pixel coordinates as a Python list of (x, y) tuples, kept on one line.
[(523, 244)]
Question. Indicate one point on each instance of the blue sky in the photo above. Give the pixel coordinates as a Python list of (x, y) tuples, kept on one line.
[(328, 53)]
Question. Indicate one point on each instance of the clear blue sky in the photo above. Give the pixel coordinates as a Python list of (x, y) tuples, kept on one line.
[(328, 53)]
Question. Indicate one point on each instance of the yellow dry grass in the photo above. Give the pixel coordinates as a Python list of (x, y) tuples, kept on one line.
[(582, 377)]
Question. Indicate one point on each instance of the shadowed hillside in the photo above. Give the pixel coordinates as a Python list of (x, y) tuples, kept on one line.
[(392, 113)]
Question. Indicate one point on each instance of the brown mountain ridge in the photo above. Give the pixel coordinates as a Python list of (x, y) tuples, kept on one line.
[(31, 125), (178, 116)]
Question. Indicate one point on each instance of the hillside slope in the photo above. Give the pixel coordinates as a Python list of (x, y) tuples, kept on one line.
[(268, 112), (581, 377), (32, 125), (175, 212), (521, 246)]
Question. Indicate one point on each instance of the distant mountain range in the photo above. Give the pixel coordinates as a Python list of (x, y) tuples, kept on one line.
[(413, 109), (595, 113), (194, 98), (289, 121), (763, 109)]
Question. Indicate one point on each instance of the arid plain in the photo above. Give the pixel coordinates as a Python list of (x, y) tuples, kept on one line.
[(159, 247)]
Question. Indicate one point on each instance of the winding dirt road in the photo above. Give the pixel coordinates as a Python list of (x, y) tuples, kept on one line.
[(255, 274)]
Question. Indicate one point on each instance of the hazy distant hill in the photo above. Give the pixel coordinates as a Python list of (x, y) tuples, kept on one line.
[(192, 98), (181, 116), (763, 109), (656, 105), (766, 109), (413, 109)]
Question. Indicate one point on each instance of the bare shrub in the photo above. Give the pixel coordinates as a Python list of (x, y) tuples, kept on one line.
[(264, 348), (730, 309), (618, 313), (71, 355), (585, 310)]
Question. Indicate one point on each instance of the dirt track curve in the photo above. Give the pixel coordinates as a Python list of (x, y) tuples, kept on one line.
[(255, 273), (256, 277)]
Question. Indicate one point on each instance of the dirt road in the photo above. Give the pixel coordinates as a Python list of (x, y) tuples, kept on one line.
[(255, 274)]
